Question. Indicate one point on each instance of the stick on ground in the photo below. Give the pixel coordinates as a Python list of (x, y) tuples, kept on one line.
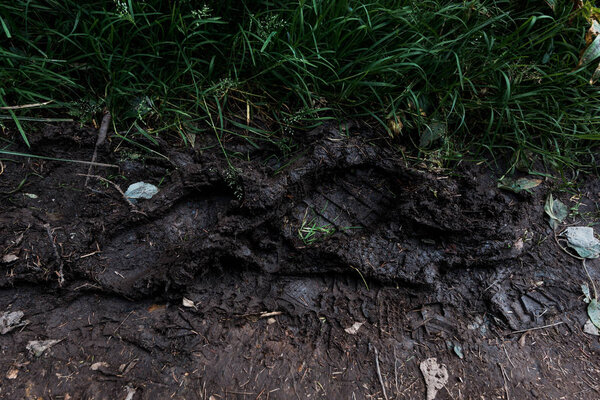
[(133, 206), (379, 373), (101, 138), (61, 276)]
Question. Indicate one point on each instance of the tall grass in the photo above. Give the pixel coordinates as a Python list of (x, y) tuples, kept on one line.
[(489, 74)]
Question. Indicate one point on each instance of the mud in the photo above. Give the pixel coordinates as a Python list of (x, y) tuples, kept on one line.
[(243, 283)]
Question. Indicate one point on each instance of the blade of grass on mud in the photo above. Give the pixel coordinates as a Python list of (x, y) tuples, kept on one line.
[(18, 154)]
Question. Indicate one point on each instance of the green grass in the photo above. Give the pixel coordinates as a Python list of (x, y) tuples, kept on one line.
[(312, 230), (483, 75)]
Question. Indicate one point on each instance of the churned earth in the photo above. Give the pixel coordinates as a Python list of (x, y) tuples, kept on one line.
[(332, 276)]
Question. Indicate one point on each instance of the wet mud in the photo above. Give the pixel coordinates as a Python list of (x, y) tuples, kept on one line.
[(333, 276)]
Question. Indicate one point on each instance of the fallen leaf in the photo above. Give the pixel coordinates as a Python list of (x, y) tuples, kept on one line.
[(12, 373), (98, 365), (590, 328), (593, 311), (8, 258), (458, 351), (586, 292), (38, 347), (592, 32), (353, 330), (31, 195), (433, 132), (518, 185), (395, 126), (522, 340), (556, 210), (10, 320), (156, 307), (591, 53), (436, 376), (582, 239), (188, 303), (130, 392)]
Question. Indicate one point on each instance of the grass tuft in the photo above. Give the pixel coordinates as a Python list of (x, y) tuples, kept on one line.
[(485, 75)]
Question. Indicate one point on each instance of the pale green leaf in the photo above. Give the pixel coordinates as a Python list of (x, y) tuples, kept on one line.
[(556, 210), (519, 184), (591, 53), (593, 311)]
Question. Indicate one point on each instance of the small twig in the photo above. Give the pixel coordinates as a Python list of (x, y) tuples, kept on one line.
[(90, 254), (26, 106), (564, 249), (61, 277), (505, 383), (99, 141), (122, 322), (263, 314), (536, 328), (294, 387), (379, 373), (133, 206), (270, 314), (93, 252), (507, 356), (396, 371)]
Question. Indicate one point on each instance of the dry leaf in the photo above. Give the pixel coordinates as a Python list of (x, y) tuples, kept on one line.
[(10, 320), (98, 365), (519, 184), (590, 328), (9, 258), (436, 376), (354, 328), (38, 347), (592, 32), (12, 373), (395, 126), (188, 303), (130, 392), (156, 307)]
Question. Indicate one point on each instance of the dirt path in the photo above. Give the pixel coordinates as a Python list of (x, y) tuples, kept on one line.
[(282, 282)]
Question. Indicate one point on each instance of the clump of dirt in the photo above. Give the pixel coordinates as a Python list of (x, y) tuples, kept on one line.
[(256, 280)]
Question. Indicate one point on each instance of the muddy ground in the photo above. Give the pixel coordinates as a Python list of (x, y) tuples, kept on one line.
[(207, 290)]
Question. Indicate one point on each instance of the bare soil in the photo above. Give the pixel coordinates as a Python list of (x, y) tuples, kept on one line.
[(207, 291)]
